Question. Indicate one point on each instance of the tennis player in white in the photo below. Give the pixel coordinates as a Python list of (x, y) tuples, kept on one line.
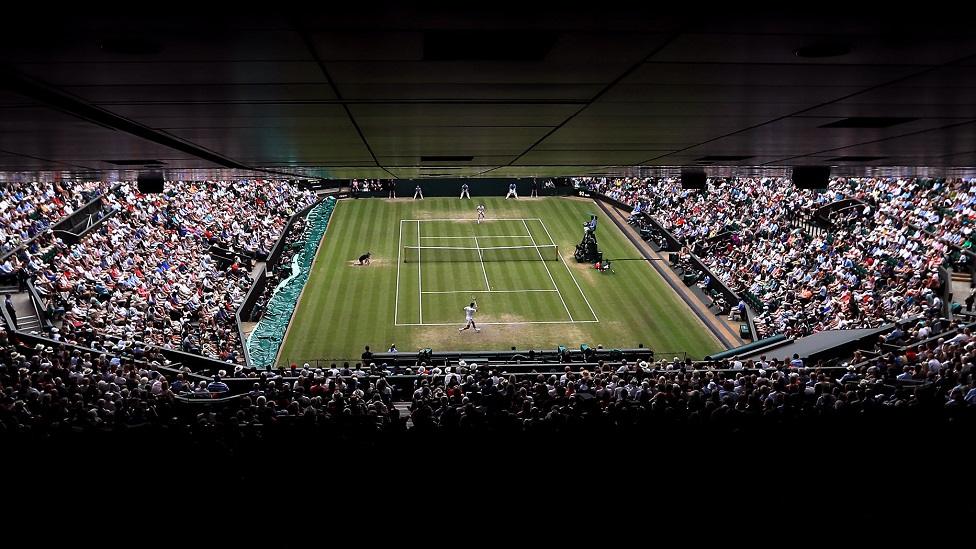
[(469, 312), (481, 213)]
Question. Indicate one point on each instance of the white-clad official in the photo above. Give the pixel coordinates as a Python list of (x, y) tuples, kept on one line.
[(511, 191)]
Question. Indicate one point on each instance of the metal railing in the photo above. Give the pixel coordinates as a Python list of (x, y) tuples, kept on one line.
[(66, 222), (39, 305), (485, 357), (29, 340)]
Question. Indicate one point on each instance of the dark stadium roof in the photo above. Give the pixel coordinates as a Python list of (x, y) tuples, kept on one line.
[(520, 94)]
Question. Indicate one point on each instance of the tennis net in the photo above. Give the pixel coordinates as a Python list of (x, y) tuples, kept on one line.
[(413, 254)]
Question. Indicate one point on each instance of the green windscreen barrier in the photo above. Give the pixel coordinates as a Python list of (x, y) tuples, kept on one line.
[(264, 341)]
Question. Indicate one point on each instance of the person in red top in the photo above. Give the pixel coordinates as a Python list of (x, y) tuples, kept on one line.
[(911, 354)]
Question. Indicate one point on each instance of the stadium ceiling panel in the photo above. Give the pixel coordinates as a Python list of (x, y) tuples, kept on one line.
[(436, 171), (575, 157), (74, 143), (793, 136), (326, 172), (482, 160), (395, 115), (946, 141), (553, 171), (879, 43), (571, 91)]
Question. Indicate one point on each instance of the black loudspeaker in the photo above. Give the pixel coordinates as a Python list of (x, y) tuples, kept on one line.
[(811, 177), (693, 179), (150, 182)]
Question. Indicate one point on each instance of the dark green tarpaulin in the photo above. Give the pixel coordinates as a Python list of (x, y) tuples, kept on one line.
[(264, 341)]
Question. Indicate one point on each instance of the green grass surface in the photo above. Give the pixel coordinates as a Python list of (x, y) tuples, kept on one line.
[(531, 303)]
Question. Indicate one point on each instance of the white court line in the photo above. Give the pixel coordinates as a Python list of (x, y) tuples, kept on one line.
[(510, 323), (461, 220), (529, 235), (547, 271), (482, 258), (487, 291), (420, 278), (485, 236), (570, 272), (519, 247), (396, 304)]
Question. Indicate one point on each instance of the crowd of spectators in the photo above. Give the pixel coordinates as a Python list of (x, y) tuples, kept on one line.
[(47, 388), (66, 412), (368, 185), (634, 392), (54, 389), (871, 268), (29, 209), (149, 262), (940, 207), (146, 275), (27, 214)]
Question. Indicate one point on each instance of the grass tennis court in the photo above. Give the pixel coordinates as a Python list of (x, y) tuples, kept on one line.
[(510, 266), (431, 258)]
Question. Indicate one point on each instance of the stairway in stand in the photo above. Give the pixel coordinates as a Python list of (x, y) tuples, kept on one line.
[(809, 227), (404, 409), (960, 282), (27, 320), (28, 323)]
